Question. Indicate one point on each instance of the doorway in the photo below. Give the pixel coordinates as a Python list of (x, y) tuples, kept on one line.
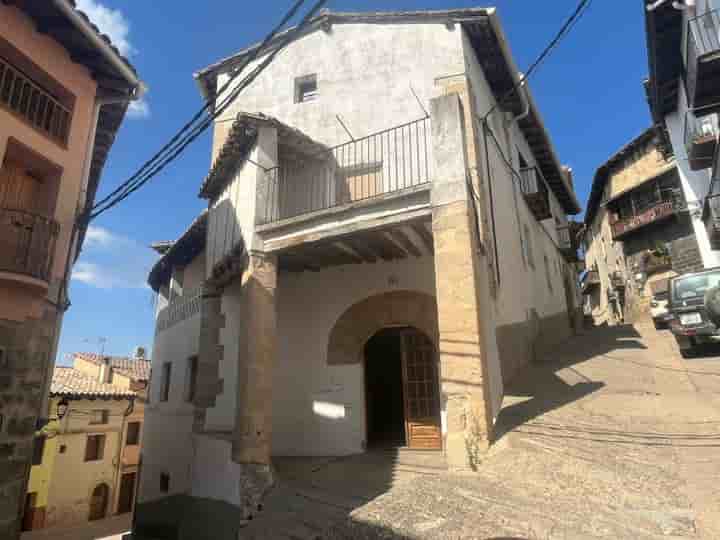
[(28, 519), (402, 390), (127, 492), (99, 502)]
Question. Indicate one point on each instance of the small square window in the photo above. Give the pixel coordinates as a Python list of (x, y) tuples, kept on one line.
[(62, 449), (99, 417), (165, 381), (164, 482), (306, 88)]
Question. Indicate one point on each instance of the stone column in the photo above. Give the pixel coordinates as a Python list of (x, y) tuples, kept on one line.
[(257, 337), (462, 293), (210, 354)]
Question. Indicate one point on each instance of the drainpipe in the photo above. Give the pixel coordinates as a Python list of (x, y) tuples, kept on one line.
[(526, 110)]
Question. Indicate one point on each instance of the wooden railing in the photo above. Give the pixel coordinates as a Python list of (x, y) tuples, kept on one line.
[(27, 243), (35, 105), (535, 190), (385, 162), (180, 309)]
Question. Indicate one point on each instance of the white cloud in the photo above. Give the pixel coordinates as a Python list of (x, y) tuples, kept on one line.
[(111, 22), (139, 109), (113, 261)]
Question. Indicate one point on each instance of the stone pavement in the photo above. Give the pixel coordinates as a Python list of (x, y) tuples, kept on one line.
[(614, 437), (106, 529)]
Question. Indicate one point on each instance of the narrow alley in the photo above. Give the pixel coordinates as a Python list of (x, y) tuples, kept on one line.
[(619, 440)]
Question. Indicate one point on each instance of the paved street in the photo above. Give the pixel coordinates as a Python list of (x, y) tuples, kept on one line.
[(615, 437), (107, 529)]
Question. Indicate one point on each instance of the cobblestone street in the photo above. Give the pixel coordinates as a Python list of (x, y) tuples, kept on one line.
[(615, 437)]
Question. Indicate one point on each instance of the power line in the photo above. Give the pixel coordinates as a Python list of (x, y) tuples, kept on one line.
[(564, 31), (191, 132)]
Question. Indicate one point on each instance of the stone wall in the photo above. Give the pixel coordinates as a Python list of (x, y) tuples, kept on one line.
[(24, 363), (644, 162)]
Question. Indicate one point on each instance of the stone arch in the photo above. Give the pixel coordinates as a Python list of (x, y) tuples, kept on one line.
[(99, 501), (363, 320)]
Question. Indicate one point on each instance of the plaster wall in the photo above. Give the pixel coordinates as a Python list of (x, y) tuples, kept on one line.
[(364, 73), (530, 308), (169, 420), (320, 409), (55, 61), (73, 479)]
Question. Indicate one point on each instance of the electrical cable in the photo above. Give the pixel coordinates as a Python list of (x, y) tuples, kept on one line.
[(189, 133)]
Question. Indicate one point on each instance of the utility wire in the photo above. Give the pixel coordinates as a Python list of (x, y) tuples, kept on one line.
[(564, 31), (191, 132), (206, 107)]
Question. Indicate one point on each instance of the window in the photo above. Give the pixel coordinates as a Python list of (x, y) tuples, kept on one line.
[(164, 482), (306, 88), (98, 417), (133, 434), (94, 447), (62, 449), (38, 449), (528, 246), (165, 381), (191, 379), (547, 273)]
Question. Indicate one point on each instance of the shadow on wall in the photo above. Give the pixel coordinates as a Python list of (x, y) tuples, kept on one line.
[(547, 390)]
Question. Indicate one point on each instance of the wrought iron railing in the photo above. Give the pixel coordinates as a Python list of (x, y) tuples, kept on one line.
[(564, 237), (389, 161), (703, 38), (21, 95), (178, 310), (27, 243)]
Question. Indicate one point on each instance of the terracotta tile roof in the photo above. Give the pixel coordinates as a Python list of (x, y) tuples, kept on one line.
[(69, 382), (134, 368)]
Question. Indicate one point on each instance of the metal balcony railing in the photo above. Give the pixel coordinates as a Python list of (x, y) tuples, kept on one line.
[(390, 161), (701, 135), (22, 96), (535, 190), (180, 309), (27, 243), (564, 240), (702, 40)]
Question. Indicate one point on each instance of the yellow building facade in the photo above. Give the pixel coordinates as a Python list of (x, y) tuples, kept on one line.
[(85, 461)]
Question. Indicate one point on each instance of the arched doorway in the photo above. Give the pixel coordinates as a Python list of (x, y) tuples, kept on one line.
[(402, 393), (99, 502)]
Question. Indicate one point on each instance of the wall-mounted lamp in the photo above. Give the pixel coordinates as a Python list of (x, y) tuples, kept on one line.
[(62, 408)]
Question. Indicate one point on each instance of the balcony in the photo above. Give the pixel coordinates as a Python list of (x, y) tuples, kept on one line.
[(647, 211), (535, 190), (590, 280), (702, 60), (568, 240), (376, 167), (701, 135), (711, 218), (27, 243), (24, 98), (178, 310)]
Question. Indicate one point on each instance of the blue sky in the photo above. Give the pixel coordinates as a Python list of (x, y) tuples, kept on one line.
[(589, 92)]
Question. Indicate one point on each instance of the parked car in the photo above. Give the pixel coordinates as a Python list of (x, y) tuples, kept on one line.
[(659, 311), (692, 322)]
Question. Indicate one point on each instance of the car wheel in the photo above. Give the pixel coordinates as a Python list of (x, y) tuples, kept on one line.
[(658, 324)]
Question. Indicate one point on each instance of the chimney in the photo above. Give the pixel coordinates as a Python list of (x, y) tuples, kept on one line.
[(105, 375), (140, 353), (569, 175)]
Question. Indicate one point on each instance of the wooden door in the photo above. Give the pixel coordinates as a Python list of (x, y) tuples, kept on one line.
[(99, 502), (29, 512), (421, 389), (127, 491)]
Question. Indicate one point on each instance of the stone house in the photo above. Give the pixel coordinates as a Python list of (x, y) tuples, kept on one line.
[(85, 461), (684, 98), (64, 91), (638, 230), (375, 263)]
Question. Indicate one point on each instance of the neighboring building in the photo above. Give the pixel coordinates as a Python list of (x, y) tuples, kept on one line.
[(85, 464), (64, 91), (346, 293), (638, 231), (684, 97)]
